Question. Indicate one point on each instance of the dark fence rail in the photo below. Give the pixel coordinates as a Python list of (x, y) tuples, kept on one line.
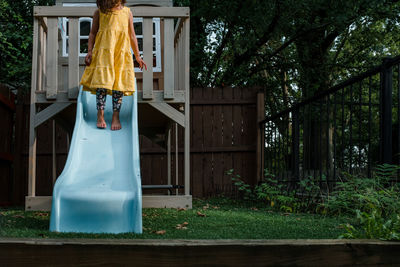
[(349, 128)]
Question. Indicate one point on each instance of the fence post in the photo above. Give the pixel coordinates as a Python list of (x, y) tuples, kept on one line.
[(386, 112), (296, 144)]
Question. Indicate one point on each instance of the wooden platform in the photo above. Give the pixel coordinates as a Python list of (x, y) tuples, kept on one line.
[(141, 252), (43, 203)]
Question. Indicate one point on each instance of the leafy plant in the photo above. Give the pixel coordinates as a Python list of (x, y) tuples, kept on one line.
[(373, 226), (366, 194)]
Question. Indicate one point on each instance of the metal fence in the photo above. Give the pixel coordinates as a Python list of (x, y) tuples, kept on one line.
[(348, 128)]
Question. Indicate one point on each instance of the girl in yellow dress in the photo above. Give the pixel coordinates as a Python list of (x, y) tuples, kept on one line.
[(109, 64)]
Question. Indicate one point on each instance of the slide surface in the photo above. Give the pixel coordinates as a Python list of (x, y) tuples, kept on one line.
[(99, 190)]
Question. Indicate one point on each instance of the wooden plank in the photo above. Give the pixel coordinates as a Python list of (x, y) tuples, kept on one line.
[(32, 130), (137, 11), (7, 102), (49, 112), (52, 58), (197, 141), (148, 57), (170, 112), (169, 58), (203, 252), (158, 97), (218, 140), (187, 105), (73, 58), (260, 137), (227, 140), (6, 156), (168, 133)]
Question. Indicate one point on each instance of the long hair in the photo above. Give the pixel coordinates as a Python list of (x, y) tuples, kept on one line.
[(106, 5)]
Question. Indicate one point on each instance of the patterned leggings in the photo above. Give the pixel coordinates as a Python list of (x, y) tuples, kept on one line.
[(101, 99)]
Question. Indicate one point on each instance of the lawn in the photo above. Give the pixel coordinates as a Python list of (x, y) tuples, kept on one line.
[(217, 218)]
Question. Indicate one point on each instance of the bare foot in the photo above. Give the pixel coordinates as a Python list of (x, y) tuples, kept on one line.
[(101, 123), (115, 123)]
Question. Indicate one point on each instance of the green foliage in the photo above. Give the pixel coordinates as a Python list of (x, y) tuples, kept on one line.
[(352, 193), (275, 194), (360, 193), (16, 41), (373, 225)]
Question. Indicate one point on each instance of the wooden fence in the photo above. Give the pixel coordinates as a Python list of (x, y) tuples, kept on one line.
[(7, 111), (223, 136)]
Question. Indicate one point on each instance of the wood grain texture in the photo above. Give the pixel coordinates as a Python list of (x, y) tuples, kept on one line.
[(91, 252)]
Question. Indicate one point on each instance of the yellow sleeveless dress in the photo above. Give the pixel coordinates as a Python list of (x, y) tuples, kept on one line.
[(112, 62)]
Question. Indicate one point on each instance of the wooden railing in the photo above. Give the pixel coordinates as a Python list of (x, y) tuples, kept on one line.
[(58, 77)]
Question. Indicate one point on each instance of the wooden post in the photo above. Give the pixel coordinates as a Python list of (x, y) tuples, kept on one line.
[(73, 58), (260, 137), (32, 129), (148, 58), (186, 36), (52, 58), (54, 158), (168, 58), (169, 154), (176, 158)]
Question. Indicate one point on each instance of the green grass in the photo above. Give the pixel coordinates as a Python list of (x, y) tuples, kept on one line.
[(224, 219)]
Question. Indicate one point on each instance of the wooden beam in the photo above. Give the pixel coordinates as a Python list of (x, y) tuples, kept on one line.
[(186, 36), (169, 58), (43, 203), (51, 59), (147, 26), (73, 58), (200, 252), (146, 12), (49, 112), (170, 112), (32, 129), (158, 96)]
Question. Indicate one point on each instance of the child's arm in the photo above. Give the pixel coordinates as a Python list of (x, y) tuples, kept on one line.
[(92, 37), (134, 43)]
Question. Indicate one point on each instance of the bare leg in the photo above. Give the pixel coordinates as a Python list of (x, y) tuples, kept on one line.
[(101, 123), (115, 123)]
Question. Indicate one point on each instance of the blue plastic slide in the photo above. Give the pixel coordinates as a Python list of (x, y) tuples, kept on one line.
[(99, 190)]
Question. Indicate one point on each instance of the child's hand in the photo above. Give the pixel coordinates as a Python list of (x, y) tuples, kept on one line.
[(88, 58), (141, 63)]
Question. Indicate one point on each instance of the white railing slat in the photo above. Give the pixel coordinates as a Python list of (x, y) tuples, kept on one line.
[(168, 58), (52, 58), (148, 57), (73, 58)]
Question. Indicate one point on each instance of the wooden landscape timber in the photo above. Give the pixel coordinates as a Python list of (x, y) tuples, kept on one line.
[(142, 252)]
